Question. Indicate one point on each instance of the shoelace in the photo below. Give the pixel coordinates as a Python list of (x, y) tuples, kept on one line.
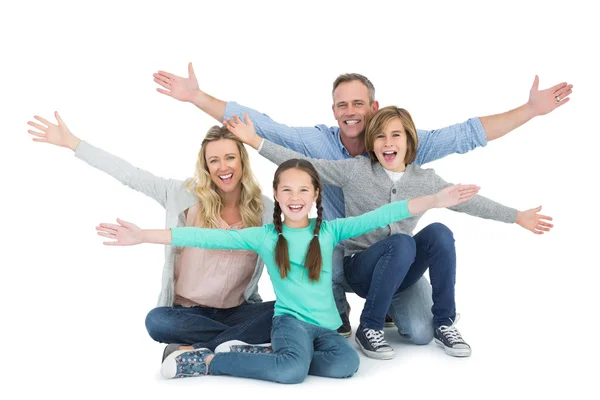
[(451, 333), (376, 338)]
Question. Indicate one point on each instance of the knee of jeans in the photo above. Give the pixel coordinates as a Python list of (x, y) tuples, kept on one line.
[(443, 235), (347, 365), (403, 244), (153, 322), (293, 371), (420, 334)]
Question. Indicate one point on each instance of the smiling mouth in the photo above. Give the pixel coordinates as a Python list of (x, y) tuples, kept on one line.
[(295, 208), (352, 122), (226, 178)]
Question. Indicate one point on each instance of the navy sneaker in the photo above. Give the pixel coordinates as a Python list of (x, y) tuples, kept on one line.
[(373, 344), (449, 338)]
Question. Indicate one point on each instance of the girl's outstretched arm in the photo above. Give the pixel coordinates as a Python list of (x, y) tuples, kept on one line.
[(447, 197), (128, 234)]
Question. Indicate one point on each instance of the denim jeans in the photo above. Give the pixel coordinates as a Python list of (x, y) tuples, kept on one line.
[(209, 327), (299, 349), (393, 265)]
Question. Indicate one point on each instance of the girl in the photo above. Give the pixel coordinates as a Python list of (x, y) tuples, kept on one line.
[(387, 261), (222, 194), (298, 255)]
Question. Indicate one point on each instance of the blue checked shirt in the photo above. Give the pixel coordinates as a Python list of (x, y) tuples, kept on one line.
[(324, 142)]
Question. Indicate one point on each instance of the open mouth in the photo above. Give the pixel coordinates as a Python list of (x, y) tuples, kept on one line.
[(295, 208), (226, 178), (389, 156), (352, 122)]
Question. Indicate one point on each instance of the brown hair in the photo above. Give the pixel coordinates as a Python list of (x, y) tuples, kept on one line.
[(313, 261), (208, 194), (379, 123), (354, 77)]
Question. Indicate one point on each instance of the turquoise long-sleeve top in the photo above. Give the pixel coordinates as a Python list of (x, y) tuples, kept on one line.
[(296, 295)]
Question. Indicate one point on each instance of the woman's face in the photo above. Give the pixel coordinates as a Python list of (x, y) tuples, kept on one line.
[(224, 164)]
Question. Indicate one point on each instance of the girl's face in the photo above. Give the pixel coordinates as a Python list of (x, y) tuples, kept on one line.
[(224, 164), (295, 194), (390, 146)]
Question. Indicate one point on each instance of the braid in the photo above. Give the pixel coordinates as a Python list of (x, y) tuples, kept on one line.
[(314, 260), (282, 257)]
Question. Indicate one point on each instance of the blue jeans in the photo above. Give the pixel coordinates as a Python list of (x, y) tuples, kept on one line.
[(410, 309), (393, 265), (299, 349), (209, 327)]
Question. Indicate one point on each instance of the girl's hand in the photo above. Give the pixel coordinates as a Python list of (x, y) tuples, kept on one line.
[(244, 130), (534, 222), (58, 135), (453, 195), (126, 233)]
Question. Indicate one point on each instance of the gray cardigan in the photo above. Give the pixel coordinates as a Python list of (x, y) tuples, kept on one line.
[(366, 186), (175, 198)]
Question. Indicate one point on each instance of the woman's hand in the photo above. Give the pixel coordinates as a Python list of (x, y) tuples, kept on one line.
[(58, 135)]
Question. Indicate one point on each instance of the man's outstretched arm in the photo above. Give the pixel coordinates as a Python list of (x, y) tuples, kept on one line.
[(187, 90), (541, 102)]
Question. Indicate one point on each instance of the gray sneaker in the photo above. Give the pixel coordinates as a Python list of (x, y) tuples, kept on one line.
[(169, 349)]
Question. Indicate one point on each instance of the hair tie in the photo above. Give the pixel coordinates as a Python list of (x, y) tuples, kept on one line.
[(279, 234), (316, 234)]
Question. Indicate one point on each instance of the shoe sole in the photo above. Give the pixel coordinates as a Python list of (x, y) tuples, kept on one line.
[(388, 355), (454, 352), (346, 334), (168, 368), (225, 347), (389, 325)]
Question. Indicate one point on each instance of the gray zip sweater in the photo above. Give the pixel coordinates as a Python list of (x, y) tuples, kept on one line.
[(175, 198), (366, 186)]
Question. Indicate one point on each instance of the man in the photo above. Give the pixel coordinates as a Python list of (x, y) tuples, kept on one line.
[(353, 104)]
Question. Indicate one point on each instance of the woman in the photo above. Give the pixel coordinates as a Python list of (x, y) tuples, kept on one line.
[(207, 296)]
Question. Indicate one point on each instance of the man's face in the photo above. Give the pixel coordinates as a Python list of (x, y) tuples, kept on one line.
[(351, 108)]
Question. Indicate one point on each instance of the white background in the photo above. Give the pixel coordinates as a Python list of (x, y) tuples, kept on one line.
[(73, 310)]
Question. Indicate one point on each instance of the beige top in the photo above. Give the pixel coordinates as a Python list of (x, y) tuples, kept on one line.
[(212, 278)]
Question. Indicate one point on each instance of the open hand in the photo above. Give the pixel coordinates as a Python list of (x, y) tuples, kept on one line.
[(455, 194), (177, 87), (244, 130), (545, 101), (126, 233), (58, 135), (534, 222)]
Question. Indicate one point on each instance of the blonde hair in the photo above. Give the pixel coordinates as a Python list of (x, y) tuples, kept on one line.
[(313, 261), (379, 123), (209, 195)]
